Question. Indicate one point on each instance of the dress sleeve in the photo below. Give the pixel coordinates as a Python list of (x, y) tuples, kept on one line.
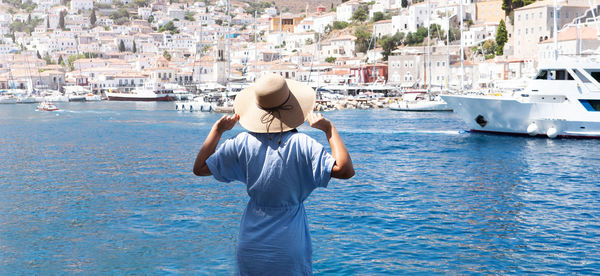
[(225, 163), (322, 163)]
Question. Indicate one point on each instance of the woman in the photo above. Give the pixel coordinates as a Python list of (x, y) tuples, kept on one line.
[(280, 168)]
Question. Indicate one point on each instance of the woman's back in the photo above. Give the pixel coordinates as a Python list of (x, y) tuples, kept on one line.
[(275, 174)]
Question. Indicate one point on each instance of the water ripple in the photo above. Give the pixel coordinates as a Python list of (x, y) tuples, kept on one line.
[(106, 188)]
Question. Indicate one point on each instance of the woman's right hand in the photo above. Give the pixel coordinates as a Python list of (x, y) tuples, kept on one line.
[(316, 120), (226, 123)]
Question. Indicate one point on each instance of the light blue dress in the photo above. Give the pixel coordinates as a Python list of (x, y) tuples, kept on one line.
[(274, 238)]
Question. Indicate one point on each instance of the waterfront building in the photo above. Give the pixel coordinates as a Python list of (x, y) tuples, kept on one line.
[(535, 23), (369, 73)]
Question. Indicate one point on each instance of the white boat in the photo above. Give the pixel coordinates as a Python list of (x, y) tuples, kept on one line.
[(76, 93), (46, 106), (563, 100), (90, 97), (53, 95), (7, 96), (152, 91), (197, 104), (420, 101)]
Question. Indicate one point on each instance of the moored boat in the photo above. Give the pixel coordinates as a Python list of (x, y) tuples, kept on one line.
[(563, 100)]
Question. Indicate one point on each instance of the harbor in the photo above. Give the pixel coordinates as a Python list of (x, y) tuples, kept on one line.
[(470, 128), (106, 187)]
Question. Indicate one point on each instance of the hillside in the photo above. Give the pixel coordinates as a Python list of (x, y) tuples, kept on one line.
[(297, 6)]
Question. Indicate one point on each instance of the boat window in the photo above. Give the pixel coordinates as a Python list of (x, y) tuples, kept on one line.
[(596, 76), (581, 76), (591, 105), (542, 75)]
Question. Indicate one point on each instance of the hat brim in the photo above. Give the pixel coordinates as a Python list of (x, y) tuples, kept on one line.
[(254, 119)]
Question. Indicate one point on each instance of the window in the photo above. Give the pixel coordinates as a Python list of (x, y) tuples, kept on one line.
[(591, 105), (542, 75), (581, 76)]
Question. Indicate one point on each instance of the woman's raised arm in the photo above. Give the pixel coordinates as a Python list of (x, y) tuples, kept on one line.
[(210, 143), (343, 168)]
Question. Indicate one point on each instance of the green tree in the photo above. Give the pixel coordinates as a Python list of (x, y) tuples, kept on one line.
[(167, 55), (134, 48), (390, 43), (150, 18), (93, 18), (339, 25), (121, 46), (361, 14), (404, 3), (47, 23), (378, 16), (189, 16), (219, 22), (61, 61), (47, 58), (61, 20), (489, 49), (169, 27), (38, 55), (363, 37), (330, 59), (501, 38)]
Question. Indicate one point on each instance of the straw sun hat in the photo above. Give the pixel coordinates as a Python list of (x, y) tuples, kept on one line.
[(274, 104)]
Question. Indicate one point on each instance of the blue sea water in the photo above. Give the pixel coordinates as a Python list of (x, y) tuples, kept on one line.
[(107, 188)]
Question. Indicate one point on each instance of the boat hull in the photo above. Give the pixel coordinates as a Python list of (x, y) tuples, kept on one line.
[(509, 115), (423, 106), (143, 98)]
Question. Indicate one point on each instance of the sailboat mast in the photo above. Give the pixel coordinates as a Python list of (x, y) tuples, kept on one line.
[(448, 51), (255, 50), (228, 41), (556, 30), (374, 51), (462, 50), (200, 55), (428, 48)]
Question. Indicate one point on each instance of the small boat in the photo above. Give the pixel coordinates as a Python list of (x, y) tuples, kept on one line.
[(420, 101), (46, 106)]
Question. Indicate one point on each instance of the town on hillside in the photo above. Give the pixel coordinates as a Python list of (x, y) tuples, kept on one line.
[(111, 45)]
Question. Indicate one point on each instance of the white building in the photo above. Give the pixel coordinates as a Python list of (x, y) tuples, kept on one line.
[(79, 5), (345, 10), (144, 12)]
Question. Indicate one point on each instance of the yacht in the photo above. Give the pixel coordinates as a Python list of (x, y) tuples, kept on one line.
[(563, 100), (152, 91)]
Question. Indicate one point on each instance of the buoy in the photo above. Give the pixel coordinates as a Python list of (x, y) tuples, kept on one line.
[(532, 129), (552, 132)]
